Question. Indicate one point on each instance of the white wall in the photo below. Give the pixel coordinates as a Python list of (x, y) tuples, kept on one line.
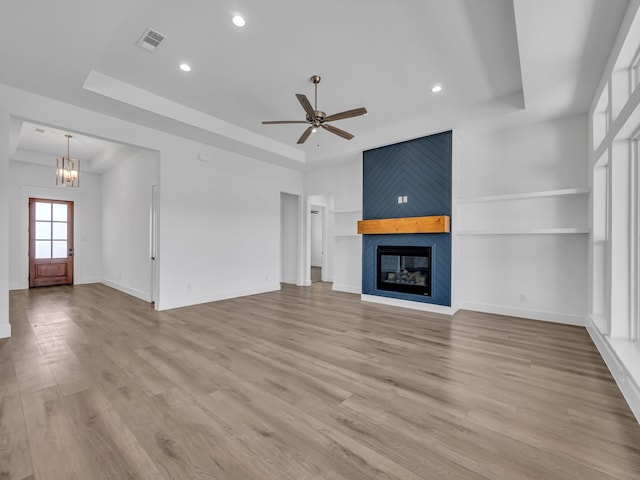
[(31, 180), (514, 254), (219, 232), (341, 184), (126, 190), (533, 275), (220, 224)]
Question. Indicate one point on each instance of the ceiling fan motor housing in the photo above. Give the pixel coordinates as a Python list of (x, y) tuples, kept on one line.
[(319, 118)]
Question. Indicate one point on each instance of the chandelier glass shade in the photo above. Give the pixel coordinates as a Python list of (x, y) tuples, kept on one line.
[(68, 169)]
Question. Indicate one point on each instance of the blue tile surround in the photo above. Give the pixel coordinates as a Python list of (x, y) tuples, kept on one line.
[(419, 169)]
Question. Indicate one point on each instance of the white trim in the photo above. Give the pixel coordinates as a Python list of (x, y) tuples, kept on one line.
[(51, 193), (146, 296), (84, 281), (214, 297), (87, 281), (546, 316), (627, 384), (291, 280), (396, 302), (342, 287)]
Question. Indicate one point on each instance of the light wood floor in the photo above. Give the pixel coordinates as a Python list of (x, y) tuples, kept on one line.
[(300, 384)]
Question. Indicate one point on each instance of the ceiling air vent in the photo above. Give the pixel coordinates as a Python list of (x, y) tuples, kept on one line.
[(150, 40)]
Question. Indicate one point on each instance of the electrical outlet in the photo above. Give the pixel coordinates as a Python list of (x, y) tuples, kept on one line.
[(523, 297)]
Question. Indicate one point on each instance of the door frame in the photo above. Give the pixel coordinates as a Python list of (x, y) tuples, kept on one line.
[(324, 203), (322, 211), (68, 259), (29, 191)]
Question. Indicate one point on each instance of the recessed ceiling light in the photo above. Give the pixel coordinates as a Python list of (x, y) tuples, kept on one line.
[(238, 21), (185, 67), (436, 88)]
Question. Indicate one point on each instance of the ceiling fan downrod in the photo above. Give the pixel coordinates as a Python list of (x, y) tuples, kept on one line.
[(316, 80)]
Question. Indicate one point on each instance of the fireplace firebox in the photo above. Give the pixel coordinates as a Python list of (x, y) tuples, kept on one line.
[(404, 269)]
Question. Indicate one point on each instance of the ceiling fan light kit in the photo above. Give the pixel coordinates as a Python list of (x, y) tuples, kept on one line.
[(317, 118)]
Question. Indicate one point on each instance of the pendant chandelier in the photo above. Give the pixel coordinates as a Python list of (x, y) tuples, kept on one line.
[(68, 169)]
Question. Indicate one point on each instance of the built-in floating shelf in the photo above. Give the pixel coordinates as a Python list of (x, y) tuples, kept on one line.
[(533, 231), (522, 196), (346, 211), (433, 224)]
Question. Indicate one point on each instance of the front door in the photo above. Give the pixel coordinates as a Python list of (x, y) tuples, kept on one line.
[(50, 242)]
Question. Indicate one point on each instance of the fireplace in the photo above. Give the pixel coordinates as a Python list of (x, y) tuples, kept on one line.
[(404, 269)]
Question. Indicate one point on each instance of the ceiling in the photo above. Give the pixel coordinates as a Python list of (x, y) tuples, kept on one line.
[(524, 60)]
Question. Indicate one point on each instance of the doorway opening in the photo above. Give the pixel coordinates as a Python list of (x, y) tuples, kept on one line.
[(317, 242), (289, 238)]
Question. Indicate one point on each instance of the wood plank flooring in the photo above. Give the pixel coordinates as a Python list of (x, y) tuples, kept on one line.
[(300, 384)]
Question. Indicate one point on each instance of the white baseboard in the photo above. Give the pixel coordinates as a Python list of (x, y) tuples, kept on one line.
[(568, 319), (87, 281), (396, 302), (341, 287), (5, 330), (291, 280), (626, 381), (214, 297), (146, 296), (76, 281)]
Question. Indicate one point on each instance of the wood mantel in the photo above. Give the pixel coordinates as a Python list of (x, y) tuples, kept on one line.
[(433, 224)]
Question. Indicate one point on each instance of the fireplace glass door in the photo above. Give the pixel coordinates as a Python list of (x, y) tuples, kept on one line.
[(404, 269)]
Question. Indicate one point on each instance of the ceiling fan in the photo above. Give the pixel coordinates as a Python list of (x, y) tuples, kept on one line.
[(317, 119)]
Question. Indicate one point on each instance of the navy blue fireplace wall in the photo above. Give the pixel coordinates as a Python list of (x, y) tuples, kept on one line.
[(419, 169)]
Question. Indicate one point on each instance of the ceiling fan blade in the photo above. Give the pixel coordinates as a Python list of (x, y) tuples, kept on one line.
[(283, 121), (337, 131), (356, 112), (305, 135), (304, 101)]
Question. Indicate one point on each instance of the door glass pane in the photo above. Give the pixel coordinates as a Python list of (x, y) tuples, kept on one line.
[(60, 249), (43, 211), (43, 230), (59, 231), (59, 212), (43, 249)]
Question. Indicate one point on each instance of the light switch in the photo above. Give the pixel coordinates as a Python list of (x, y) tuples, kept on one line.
[(404, 199), (400, 199)]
